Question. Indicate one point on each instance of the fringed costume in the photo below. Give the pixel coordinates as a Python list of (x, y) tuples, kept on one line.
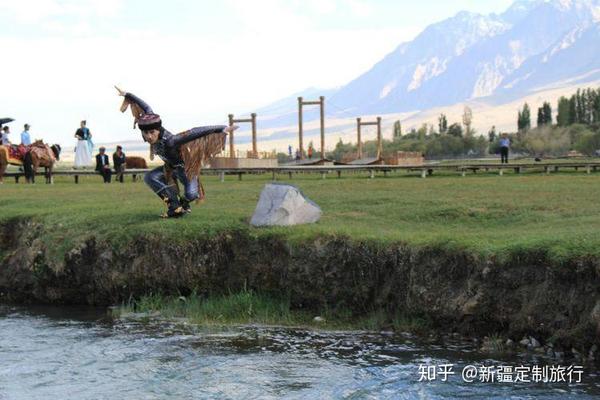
[(183, 155)]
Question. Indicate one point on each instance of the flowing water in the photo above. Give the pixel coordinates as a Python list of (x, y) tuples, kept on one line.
[(68, 353)]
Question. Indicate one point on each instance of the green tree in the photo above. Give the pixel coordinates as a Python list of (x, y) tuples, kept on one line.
[(422, 132), (544, 115), (596, 107), (455, 130), (524, 120), (492, 134), (588, 143), (540, 117), (397, 130), (442, 124), (547, 113), (580, 106), (526, 117), (563, 118), (573, 110), (468, 120)]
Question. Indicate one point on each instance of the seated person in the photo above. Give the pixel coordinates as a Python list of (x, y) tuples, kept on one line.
[(119, 163), (103, 165)]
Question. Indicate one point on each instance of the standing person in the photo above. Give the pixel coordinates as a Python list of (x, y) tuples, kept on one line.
[(25, 137), (83, 151), (310, 152), (290, 151), (103, 165), (182, 153), (119, 163), (5, 133), (504, 146)]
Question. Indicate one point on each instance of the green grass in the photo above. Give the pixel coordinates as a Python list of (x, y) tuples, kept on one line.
[(247, 307), (484, 213)]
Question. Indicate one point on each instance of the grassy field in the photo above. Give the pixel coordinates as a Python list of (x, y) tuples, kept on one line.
[(484, 212)]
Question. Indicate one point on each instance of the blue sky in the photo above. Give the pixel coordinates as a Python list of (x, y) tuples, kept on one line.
[(193, 61)]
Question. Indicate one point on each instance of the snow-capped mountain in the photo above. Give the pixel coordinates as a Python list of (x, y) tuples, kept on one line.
[(534, 43), (468, 56)]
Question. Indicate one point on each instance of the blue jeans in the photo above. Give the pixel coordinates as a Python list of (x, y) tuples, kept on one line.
[(156, 179)]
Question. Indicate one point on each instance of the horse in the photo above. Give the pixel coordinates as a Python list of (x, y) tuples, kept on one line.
[(12, 155), (38, 155), (132, 162)]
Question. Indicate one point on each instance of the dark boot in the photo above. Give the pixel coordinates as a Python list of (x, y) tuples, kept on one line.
[(174, 208), (185, 204)]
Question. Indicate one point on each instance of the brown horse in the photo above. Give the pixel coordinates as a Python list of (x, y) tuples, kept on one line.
[(40, 155), (132, 162), (5, 160)]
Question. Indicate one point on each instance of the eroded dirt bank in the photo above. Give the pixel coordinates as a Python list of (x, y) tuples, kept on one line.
[(526, 294)]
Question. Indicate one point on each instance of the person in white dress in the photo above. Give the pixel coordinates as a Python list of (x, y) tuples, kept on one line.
[(83, 151)]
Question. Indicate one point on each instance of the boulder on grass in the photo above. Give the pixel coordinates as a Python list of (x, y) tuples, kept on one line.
[(284, 205)]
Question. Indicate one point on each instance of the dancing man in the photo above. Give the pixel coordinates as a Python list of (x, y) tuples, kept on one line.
[(183, 155)]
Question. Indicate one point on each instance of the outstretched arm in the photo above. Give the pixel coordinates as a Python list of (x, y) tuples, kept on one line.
[(196, 133)]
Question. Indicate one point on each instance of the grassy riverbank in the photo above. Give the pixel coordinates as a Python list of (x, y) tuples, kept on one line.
[(483, 213), (248, 307)]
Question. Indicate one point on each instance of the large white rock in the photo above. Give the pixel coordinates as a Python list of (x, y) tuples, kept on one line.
[(284, 205)]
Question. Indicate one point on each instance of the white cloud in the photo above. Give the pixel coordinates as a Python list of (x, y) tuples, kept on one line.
[(360, 8), (36, 11)]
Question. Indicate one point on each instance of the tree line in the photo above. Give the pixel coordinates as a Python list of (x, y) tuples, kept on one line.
[(576, 127), (583, 107)]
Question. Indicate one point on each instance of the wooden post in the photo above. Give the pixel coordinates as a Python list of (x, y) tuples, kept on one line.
[(358, 138), (322, 105), (300, 144), (254, 146), (231, 145), (379, 144)]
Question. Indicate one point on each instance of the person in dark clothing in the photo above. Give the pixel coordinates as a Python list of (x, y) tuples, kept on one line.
[(182, 153), (119, 163), (504, 147), (103, 165)]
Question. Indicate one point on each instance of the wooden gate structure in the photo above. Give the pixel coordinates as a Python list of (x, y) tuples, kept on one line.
[(359, 124), (301, 104), (251, 120)]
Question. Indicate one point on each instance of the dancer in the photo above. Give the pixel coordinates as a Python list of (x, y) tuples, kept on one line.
[(183, 154)]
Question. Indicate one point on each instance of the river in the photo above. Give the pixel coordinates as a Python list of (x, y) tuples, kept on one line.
[(81, 353)]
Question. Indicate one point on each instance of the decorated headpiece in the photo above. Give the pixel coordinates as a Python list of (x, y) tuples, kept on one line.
[(148, 122), (136, 110)]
